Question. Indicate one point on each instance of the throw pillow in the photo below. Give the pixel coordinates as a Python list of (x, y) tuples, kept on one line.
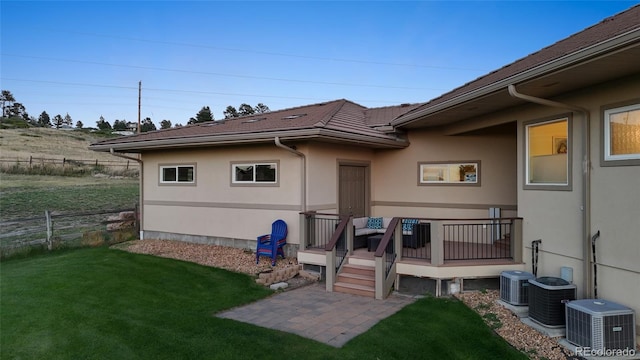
[(407, 224), (374, 223)]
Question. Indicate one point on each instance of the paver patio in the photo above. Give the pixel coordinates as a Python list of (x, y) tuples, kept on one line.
[(312, 312)]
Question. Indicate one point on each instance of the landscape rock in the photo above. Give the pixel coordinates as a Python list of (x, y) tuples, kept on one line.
[(279, 286)]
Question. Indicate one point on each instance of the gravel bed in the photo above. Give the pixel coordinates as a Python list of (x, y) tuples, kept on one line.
[(508, 326), (233, 259)]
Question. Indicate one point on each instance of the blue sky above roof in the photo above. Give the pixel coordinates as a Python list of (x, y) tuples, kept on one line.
[(86, 58)]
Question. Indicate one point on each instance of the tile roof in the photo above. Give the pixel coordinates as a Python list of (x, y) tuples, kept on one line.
[(341, 116), (384, 115)]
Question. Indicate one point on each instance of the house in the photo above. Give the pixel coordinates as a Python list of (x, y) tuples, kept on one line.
[(545, 148)]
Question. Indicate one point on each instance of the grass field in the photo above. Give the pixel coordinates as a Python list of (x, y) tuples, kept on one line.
[(49, 143), (99, 303), (26, 195)]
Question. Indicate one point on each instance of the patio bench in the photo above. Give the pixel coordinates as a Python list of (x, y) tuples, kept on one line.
[(413, 232)]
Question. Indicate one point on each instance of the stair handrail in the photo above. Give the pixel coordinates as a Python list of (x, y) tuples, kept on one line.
[(344, 221), (385, 273), (333, 264)]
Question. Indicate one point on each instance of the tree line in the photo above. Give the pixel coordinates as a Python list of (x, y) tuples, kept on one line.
[(16, 111)]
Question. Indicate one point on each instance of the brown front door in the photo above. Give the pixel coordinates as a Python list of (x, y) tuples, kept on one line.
[(353, 190)]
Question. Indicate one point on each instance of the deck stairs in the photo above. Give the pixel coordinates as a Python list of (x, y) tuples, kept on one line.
[(357, 278)]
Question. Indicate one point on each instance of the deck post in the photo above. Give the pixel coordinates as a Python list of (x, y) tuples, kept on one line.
[(397, 240), (379, 278), (437, 243), (516, 240), (331, 269), (349, 235)]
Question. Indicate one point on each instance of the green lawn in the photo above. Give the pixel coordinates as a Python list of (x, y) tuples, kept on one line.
[(99, 303)]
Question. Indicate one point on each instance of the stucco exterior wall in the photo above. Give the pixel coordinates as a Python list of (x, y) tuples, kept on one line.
[(323, 162), (396, 191), (215, 207), (556, 216), (615, 205)]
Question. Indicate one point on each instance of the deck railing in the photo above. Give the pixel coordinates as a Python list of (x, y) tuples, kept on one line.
[(337, 249), (486, 239), (417, 245), (439, 240), (319, 229)]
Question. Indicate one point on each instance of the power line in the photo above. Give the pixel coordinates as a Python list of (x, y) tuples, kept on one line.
[(216, 74), (356, 61), (193, 91)]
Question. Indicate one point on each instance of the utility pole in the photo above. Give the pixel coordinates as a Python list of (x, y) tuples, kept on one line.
[(139, 96)]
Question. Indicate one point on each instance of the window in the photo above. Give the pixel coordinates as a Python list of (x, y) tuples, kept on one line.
[(459, 173), (548, 154), (177, 174), (254, 173), (622, 135)]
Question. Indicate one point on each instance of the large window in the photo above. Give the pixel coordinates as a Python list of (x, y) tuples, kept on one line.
[(458, 173), (548, 154), (254, 173), (177, 174), (622, 135)]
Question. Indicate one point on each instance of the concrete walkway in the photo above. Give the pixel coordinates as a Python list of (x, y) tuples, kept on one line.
[(312, 312)]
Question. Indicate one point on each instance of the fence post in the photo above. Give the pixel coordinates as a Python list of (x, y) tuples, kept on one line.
[(47, 215)]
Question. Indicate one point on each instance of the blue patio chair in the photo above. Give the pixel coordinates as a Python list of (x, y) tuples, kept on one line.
[(271, 244)]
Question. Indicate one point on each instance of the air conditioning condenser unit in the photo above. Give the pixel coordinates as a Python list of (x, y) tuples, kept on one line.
[(600, 325), (514, 287)]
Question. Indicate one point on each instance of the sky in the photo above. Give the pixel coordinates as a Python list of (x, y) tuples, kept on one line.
[(87, 58)]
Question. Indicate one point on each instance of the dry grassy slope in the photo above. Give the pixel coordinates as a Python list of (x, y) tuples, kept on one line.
[(49, 143)]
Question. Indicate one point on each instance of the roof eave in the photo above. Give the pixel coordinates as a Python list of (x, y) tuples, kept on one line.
[(253, 138), (585, 54)]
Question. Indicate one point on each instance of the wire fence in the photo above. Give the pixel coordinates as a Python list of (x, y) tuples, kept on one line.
[(66, 166), (54, 230)]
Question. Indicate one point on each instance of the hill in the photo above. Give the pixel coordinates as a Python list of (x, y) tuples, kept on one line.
[(49, 143)]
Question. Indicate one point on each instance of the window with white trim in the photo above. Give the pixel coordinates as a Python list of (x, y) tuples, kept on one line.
[(548, 150), (254, 173), (177, 174), (622, 133), (464, 173)]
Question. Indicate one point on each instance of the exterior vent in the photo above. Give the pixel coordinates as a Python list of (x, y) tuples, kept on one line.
[(547, 298), (212, 123), (514, 287), (600, 325), (295, 116), (253, 120)]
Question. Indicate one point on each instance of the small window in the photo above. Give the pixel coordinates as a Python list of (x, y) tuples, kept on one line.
[(254, 173), (548, 154), (170, 174), (459, 173), (622, 135)]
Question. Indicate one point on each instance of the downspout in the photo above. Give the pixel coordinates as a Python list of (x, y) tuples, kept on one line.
[(586, 179), (141, 187), (303, 171)]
